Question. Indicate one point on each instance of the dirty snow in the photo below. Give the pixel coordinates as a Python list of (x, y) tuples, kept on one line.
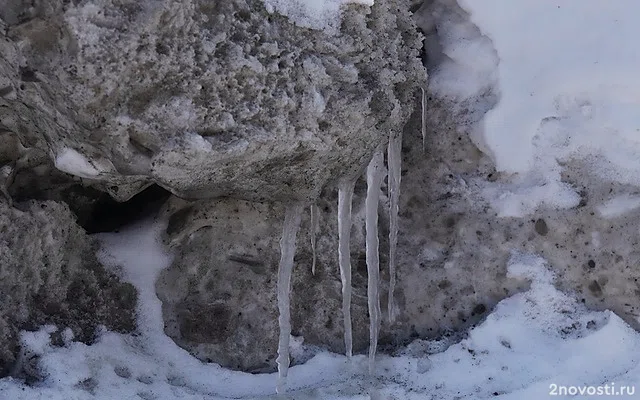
[(529, 342)]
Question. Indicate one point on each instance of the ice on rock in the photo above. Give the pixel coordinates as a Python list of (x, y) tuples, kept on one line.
[(70, 161), (374, 181), (394, 160), (285, 268), (345, 195), (314, 229), (423, 126)]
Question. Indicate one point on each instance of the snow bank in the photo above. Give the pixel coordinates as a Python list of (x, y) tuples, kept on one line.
[(566, 77), (468, 68), (315, 14), (529, 342)]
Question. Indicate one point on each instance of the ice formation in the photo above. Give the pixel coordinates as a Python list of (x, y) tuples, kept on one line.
[(374, 180), (285, 268), (423, 127), (345, 194), (394, 160), (314, 230), (70, 161)]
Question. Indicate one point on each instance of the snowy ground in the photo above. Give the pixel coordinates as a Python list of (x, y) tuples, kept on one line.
[(530, 342), (567, 81), (566, 75)]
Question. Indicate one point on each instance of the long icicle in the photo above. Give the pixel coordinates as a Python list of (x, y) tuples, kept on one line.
[(345, 195), (394, 160), (314, 230), (424, 119), (285, 268), (374, 180)]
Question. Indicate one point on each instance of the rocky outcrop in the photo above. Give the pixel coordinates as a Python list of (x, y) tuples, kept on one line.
[(207, 100), (49, 275)]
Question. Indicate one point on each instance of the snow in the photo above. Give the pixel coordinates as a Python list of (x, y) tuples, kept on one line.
[(568, 90), (374, 180), (531, 341), (345, 196), (72, 162), (469, 67), (315, 14), (197, 143), (287, 252), (618, 206)]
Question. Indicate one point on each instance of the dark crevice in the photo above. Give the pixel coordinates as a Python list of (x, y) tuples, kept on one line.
[(108, 215)]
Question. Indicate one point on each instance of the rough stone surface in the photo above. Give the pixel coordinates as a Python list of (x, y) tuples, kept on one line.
[(452, 253), (204, 98), (49, 275)]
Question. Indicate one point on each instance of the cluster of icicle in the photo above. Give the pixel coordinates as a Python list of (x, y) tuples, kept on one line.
[(375, 175)]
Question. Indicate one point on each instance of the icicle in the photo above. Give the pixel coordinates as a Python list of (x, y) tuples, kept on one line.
[(345, 194), (314, 230), (287, 252), (424, 118), (394, 159), (374, 180)]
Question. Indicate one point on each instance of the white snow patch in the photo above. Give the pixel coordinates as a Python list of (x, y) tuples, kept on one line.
[(197, 143), (314, 14), (618, 206), (568, 85), (469, 69), (72, 162), (523, 194)]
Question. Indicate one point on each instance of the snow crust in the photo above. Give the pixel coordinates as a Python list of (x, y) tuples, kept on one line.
[(315, 14)]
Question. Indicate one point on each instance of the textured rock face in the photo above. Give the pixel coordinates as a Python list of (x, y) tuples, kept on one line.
[(204, 98), (452, 252), (452, 258), (226, 269), (49, 275)]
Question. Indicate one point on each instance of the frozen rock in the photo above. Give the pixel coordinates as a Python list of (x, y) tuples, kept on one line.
[(117, 91), (50, 275)]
